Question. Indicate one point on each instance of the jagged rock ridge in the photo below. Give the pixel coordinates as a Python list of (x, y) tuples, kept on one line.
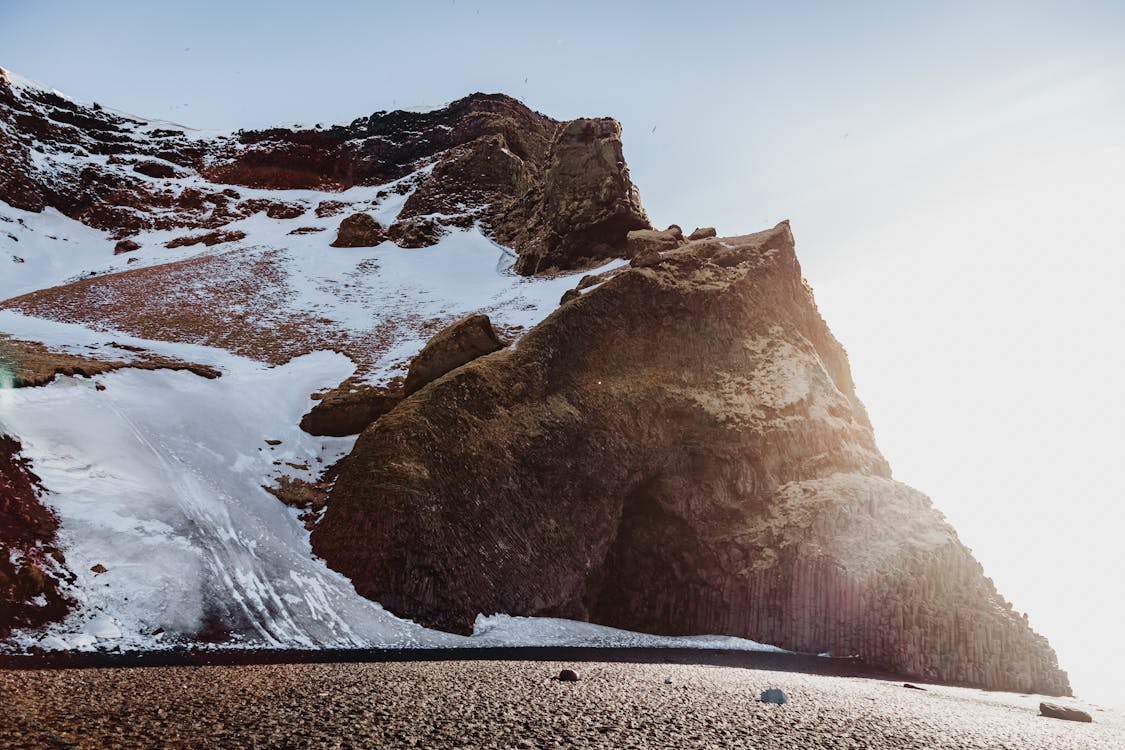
[(680, 450), (558, 192)]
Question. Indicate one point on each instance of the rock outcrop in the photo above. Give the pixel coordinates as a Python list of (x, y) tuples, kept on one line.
[(641, 241), (679, 450), (359, 230), (454, 346), (585, 207), (348, 409), (32, 569)]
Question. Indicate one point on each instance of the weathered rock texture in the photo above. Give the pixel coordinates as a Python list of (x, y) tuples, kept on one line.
[(349, 408), (359, 230), (452, 347), (32, 568), (585, 207), (681, 451)]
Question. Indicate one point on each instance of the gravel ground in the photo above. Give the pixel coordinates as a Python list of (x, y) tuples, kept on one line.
[(508, 704)]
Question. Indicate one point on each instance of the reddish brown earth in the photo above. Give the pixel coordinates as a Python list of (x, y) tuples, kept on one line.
[(680, 450), (194, 301), (31, 566)]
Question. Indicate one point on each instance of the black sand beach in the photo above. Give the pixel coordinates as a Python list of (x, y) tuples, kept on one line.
[(623, 699)]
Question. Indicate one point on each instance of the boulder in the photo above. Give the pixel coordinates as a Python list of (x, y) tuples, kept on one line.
[(272, 209), (570, 295), (457, 345), (643, 240), (568, 675), (359, 230), (675, 231), (210, 238), (413, 233), (647, 259), (702, 233), (349, 409), (126, 246), (1055, 711), (329, 208), (683, 452), (156, 169), (774, 695)]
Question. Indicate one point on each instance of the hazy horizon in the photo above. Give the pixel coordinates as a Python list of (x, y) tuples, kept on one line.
[(954, 178)]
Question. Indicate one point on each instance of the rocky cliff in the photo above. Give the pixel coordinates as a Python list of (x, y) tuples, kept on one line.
[(678, 450)]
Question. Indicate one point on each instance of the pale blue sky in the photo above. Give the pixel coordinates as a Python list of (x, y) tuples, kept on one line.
[(954, 172)]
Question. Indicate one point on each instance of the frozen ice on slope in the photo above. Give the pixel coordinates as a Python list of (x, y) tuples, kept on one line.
[(158, 478)]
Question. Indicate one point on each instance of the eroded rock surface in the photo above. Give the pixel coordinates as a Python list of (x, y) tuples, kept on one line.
[(349, 408), (456, 345), (585, 207), (557, 192), (680, 450)]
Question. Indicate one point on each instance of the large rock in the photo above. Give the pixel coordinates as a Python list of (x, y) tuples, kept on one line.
[(459, 344), (680, 452), (359, 230), (640, 241), (348, 409), (585, 207), (415, 233), (1055, 711)]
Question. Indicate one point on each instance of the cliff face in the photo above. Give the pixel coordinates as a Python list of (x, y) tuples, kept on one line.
[(679, 450)]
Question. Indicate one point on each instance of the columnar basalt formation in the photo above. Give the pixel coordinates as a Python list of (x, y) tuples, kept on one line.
[(679, 450)]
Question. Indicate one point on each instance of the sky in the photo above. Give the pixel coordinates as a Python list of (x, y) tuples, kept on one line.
[(954, 175)]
